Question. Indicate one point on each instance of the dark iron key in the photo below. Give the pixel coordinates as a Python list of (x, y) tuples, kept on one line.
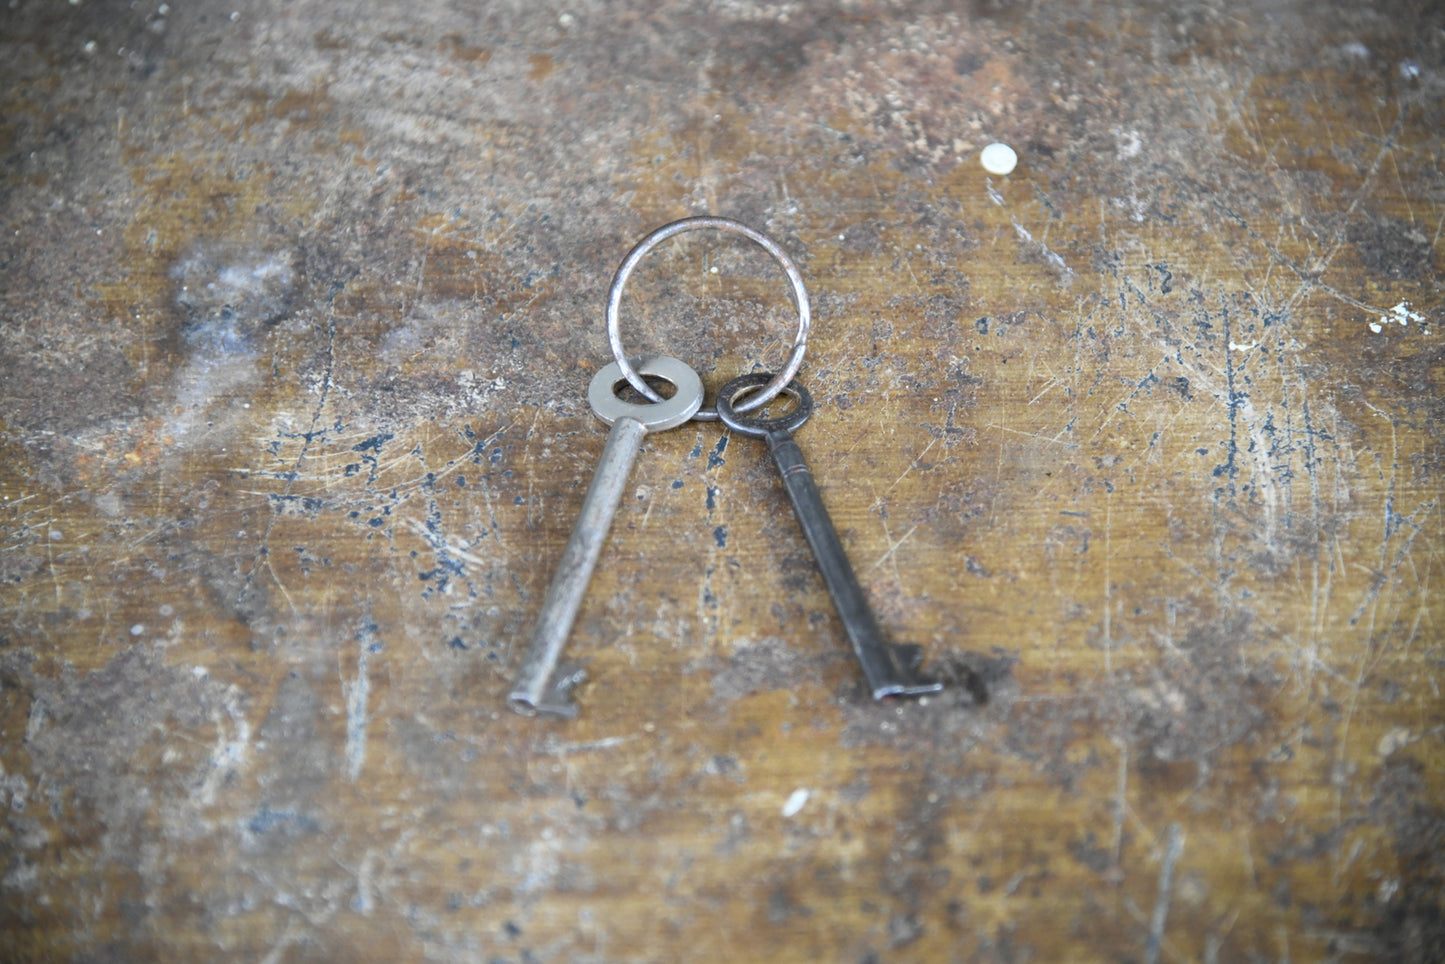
[(891, 669)]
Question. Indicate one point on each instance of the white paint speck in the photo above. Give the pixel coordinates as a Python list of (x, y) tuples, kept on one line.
[(137, 629), (796, 801), (1404, 315), (999, 159), (1400, 315), (1394, 741), (1128, 144), (1236, 346)]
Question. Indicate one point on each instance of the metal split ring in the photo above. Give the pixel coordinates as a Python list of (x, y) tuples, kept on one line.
[(729, 405), (795, 279)]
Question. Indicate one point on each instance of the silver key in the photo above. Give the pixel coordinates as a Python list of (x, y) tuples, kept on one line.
[(891, 669), (543, 686)]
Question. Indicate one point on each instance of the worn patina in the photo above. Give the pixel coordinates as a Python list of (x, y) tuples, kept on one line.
[(300, 305)]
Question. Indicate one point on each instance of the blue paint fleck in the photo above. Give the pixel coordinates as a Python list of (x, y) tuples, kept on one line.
[(267, 820), (374, 443), (720, 533), (715, 458)]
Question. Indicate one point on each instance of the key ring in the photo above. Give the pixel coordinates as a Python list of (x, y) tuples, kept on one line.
[(795, 279), (729, 407)]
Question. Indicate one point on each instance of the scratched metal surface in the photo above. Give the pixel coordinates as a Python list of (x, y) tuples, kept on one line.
[(300, 303)]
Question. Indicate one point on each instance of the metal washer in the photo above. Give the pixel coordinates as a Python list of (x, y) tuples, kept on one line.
[(655, 416)]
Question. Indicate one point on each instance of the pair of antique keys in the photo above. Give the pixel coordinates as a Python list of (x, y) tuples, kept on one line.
[(544, 683)]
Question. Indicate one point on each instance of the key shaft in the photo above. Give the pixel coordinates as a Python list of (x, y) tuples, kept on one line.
[(891, 669), (543, 683)]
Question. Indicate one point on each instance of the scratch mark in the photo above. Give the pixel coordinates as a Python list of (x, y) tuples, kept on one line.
[(445, 549), (1376, 596), (1043, 250), (365, 902), (50, 561), (276, 578), (357, 693), (1173, 848), (1310, 276), (405, 309), (1215, 938), (1247, 853), (451, 466), (1048, 387), (230, 751), (295, 473), (1231, 466), (1041, 438), (908, 263), (534, 507), (1121, 786), (555, 748), (911, 466), (889, 554), (290, 936)]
